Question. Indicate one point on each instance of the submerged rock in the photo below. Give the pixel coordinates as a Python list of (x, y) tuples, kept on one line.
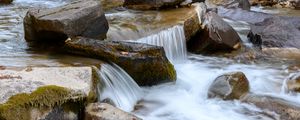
[(216, 36), (146, 64), (295, 4), (110, 4), (293, 83), (6, 1), (229, 86), (35, 93), (151, 4), (103, 111), (79, 18), (287, 110)]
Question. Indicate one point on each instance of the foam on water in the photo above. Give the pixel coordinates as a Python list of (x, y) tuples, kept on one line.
[(187, 98)]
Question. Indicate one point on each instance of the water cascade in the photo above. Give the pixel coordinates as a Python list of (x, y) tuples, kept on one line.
[(173, 41), (117, 86)]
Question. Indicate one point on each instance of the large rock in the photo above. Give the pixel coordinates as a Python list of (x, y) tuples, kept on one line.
[(104, 111), (48, 93), (6, 1), (293, 83), (287, 110), (146, 64), (80, 18), (151, 4), (278, 32), (243, 4), (229, 86), (216, 36)]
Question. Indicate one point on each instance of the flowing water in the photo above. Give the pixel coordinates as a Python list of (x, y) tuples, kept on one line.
[(119, 87), (185, 99), (172, 40)]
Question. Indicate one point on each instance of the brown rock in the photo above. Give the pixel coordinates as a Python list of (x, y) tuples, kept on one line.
[(103, 111), (146, 64), (6, 1), (293, 83), (216, 36), (287, 110), (229, 86)]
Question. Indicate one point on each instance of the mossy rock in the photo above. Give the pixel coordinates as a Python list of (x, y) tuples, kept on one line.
[(146, 64), (6, 1), (41, 103)]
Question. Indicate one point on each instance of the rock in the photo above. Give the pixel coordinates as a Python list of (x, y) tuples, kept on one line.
[(146, 64), (151, 4), (192, 25), (243, 15), (287, 110), (110, 4), (282, 53), (6, 1), (45, 92), (277, 32), (81, 18), (229, 86), (295, 4), (293, 83), (103, 111), (243, 4), (216, 36)]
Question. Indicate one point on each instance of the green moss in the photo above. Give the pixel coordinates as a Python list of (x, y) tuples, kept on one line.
[(19, 106)]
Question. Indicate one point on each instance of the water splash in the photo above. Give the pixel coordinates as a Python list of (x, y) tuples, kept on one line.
[(173, 40), (119, 87)]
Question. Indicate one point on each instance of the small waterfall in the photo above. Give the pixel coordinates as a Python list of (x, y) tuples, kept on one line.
[(173, 40), (119, 87)]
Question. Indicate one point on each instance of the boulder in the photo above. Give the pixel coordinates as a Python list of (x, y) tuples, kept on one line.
[(216, 36), (6, 1), (151, 4), (293, 83), (104, 111), (288, 110), (146, 64), (229, 86), (277, 32), (80, 18), (282, 53), (48, 93)]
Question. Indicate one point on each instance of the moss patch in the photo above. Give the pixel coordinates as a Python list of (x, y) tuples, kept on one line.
[(47, 97)]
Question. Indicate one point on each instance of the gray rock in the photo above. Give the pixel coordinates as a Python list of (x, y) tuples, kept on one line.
[(229, 86), (80, 18), (103, 111)]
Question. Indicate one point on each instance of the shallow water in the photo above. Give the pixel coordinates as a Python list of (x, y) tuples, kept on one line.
[(14, 51), (185, 99)]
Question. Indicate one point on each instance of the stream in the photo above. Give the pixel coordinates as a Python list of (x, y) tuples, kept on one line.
[(185, 99)]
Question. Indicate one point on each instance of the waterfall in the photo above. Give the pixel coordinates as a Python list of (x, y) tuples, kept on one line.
[(117, 86), (172, 40)]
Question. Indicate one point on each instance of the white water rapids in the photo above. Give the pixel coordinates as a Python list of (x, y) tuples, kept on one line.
[(185, 99)]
